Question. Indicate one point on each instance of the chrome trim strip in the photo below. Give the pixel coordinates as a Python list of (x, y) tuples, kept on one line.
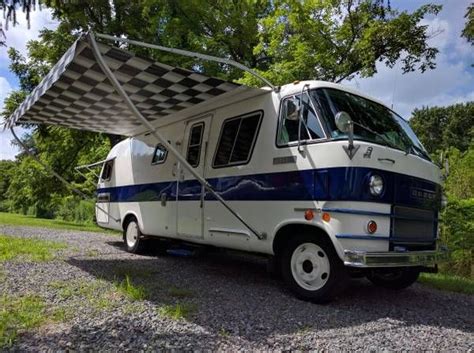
[(229, 231), (362, 237), (359, 212), (363, 259)]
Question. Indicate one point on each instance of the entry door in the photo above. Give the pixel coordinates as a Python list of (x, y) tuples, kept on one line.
[(190, 191)]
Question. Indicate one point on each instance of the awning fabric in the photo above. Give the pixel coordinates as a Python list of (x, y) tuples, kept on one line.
[(77, 94)]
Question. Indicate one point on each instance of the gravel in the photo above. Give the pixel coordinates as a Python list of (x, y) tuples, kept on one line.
[(238, 305)]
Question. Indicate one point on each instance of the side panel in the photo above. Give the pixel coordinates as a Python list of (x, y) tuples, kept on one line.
[(153, 189), (190, 191)]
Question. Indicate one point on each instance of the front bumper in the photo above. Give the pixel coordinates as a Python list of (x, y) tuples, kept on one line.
[(363, 259)]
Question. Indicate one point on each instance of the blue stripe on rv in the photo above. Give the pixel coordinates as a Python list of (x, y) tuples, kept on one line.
[(330, 184)]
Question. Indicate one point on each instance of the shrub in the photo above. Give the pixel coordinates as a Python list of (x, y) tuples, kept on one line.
[(73, 209), (457, 233)]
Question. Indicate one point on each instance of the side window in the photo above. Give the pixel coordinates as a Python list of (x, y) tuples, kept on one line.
[(159, 156), (194, 145), (310, 128), (237, 139), (107, 171)]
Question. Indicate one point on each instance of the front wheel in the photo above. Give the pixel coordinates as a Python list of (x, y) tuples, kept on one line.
[(311, 268), (398, 278)]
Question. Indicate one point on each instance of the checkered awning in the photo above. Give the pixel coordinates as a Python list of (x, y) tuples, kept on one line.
[(77, 94)]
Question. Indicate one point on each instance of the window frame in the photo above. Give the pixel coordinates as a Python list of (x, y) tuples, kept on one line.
[(200, 142), (260, 114), (154, 154), (111, 163), (303, 142)]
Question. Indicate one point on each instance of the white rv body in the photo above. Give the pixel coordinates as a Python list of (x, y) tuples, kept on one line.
[(138, 188)]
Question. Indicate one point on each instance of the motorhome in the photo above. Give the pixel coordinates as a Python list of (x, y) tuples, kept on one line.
[(323, 179)]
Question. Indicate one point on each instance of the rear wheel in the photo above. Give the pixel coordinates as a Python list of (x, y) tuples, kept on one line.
[(133, 237), (398, 278), (311, 268)]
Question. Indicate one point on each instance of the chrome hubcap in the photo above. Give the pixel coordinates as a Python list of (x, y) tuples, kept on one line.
[(310, 266), (132, 234)]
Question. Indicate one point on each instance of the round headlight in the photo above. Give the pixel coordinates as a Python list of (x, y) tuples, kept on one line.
[(376, 185)]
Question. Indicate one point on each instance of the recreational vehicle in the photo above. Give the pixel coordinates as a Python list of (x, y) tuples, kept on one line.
[(324, 180)]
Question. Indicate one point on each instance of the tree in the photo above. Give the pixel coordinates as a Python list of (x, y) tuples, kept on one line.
[(334, 40), (468, 31), (440, 128), (9, 8), (460, 182), (6, 170)]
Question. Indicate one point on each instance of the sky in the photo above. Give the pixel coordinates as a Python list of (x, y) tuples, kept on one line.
[(451, 82)]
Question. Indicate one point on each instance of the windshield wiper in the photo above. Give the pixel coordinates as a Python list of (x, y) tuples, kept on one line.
[(420, 151), (389, 143)]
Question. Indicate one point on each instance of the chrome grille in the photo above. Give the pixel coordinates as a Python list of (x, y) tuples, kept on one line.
[(413, 225)]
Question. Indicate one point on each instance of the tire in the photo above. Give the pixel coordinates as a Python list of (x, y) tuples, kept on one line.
[(397, 278), (312, 269), (133, 237)]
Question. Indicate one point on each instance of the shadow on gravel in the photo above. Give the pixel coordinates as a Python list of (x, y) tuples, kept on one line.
[(235, 295)]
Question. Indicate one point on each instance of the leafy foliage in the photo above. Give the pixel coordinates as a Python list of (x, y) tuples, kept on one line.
[(449, 131), (458, 234), (440, 128), (9, 9), (334, 40), (468, 31)]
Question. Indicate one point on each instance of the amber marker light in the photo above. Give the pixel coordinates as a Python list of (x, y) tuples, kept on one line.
[(309, 215), (371, 227), (326, 217)]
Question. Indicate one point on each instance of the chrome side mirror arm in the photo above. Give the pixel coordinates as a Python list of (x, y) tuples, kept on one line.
[(351, 149)]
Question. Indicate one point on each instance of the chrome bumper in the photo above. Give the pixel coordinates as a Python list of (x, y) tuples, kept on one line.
[(362, 259)]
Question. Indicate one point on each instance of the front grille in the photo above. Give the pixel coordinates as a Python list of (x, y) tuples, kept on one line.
[(413, 227)]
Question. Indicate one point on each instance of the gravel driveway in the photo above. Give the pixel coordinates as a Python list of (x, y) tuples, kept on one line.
[(236, 305)]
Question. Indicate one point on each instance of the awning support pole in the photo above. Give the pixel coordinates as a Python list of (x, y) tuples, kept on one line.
[(192, 55), (64, 181), (160, 138)]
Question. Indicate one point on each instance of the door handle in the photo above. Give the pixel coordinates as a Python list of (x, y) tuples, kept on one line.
[(386, 160), (174, 169), (163, 199)]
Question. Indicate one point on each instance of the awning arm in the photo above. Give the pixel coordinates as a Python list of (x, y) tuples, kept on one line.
[(192, 55), (160, 138), (48, 169), (95, 164), (92, 165)]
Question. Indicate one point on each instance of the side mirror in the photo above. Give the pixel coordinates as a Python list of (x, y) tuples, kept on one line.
[(345, 125), (292, 110), (343, 122)]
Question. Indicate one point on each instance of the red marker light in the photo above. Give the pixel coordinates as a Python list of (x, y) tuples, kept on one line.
[(309, 215), (371, 227)]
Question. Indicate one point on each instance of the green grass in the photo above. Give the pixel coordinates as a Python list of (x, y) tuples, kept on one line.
[(29, 221), (448, 282), (178, 311), (29, 249), (18, 314), (131, 290)]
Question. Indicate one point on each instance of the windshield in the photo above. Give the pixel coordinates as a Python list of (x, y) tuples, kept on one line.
[(372, 121)]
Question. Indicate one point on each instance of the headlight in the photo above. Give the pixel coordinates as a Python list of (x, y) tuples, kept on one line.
[(376, 185)]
